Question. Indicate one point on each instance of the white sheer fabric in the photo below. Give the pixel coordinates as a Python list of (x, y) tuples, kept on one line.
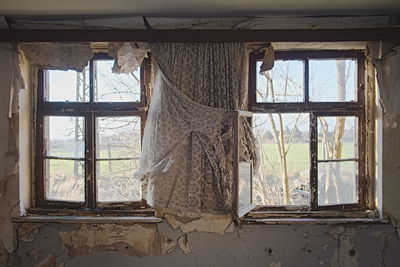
[(186, 164)]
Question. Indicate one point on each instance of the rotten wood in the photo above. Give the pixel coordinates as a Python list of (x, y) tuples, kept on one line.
[(313, 162), (370, 96)]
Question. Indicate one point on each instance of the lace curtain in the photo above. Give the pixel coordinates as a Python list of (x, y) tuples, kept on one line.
[(186, 164)]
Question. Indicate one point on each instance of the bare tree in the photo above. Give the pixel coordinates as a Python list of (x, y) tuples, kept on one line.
[(333, 147), (331, 144), (279, 132)]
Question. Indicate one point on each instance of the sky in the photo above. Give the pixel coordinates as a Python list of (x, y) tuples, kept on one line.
[(110, 88), (118, 87), (323, 81), (323, 88)]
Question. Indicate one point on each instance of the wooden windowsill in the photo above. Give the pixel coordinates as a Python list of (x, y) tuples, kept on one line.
[(319, 221), (110, 212), (313, 217), (85, 219)]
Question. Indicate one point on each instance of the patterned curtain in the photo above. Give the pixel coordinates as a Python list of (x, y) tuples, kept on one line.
[(186, 164)]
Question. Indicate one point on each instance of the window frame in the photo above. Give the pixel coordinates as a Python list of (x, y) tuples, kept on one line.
[(315, 109), (90, 111)]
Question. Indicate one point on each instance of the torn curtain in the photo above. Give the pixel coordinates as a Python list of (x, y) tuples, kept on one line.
[(186, 163)]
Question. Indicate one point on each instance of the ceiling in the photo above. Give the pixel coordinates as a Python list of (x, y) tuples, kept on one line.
[(190, 8)]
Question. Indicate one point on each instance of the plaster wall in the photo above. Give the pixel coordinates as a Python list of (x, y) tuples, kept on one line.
[(156, 245), (53, 244)]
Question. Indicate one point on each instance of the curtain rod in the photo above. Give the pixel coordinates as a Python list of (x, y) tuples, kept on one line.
[(201, 36)]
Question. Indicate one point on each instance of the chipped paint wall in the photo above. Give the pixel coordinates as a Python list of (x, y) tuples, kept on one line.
[(111, 244), (9, 193), (388, 65), (151, 245)]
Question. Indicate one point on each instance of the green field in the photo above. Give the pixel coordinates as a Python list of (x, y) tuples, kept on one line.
[(298, 157)]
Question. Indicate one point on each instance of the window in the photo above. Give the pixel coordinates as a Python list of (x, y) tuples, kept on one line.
[(88, 138), (309, 122)]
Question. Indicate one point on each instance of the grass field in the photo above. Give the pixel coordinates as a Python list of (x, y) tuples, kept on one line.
[(115, 181), (114, 177), (298, 164), (298, 157)]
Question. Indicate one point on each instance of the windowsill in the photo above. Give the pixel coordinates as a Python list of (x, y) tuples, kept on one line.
[(101, 212), (316, 217), (85, 219), (60, 215), (136, 219), (319, 221)]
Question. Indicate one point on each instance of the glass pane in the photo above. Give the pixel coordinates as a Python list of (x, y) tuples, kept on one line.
[(337, 183), (118, 137), (65, 180), (284, 83), (115, 182), (333, 80), (245, 173), (67, 86), (64, 136), (283, 176), (111, 87), (337, 138)]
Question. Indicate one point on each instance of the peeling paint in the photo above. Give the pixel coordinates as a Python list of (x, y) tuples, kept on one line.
[(58, 55), (27, 231), (34, 254), (134, 239), (207, 223), (252, 245), (184, 244), (275, 264), (168, 245), (9, 183), (49, 261)]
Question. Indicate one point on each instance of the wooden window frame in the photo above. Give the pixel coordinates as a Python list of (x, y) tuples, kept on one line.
[(315, 109), (90, 111)]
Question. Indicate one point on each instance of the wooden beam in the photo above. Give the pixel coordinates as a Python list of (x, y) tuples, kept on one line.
[(286, 35), (3, 23)]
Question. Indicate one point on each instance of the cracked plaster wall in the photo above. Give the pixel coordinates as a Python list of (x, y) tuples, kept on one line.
[(151, 245), (9, 184), (161, 245)]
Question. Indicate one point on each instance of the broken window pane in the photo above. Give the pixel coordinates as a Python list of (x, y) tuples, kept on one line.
[(115, 182), (337, 137), (118, 137), (111, 87), (66, 86), (333, 80), (337, 183), (64, 136), (284, 83), (283, 176), (65, 180)]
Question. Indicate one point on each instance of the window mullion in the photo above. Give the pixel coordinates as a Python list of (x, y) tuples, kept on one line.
[(313, 161), (89, 166), (362, 174), (39, 168), (90, 144), (306, 81), (91, 80)]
